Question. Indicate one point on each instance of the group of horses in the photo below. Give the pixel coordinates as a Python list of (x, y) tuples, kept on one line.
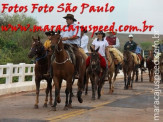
[(63, 68)]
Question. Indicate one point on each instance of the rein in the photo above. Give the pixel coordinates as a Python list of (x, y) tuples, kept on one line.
[(39, 58), (57, 46), (68, 59)]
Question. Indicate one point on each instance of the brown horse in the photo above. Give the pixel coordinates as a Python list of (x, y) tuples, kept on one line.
[(111, 71), (96, 74), (128, 69), (41, 68), (150, 65), (161, 67), (63, 68)]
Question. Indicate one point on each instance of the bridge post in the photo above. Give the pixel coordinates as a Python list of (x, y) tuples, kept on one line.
[(22, 72), (9, 73)]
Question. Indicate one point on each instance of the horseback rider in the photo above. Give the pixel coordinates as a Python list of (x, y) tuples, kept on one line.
[(47, 43), (131, 46), (114, 43), (73, 36), (101, 43)]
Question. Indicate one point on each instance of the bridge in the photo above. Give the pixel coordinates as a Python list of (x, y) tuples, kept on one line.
[(17, 98)]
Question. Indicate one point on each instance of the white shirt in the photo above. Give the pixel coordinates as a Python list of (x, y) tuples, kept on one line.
[(70, 34), (102, 44), (84, 42)]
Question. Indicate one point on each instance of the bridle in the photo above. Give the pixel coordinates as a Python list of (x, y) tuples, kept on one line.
[(56, 47)]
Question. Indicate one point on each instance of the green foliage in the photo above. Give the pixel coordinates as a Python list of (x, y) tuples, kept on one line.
[(146, 45), (14, 46)]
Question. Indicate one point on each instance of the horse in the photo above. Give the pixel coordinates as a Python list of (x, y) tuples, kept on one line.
[(111, 71), (41, 68), (128, 67), (63, 68), (141, 67), (96, 74), (150, 65), (161, 67)]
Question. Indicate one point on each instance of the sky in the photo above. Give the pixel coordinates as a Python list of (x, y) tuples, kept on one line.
[(126, 12)]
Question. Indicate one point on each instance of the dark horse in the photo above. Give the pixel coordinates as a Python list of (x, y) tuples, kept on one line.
[(96, 74), (150, 65), (64, 69), (41, 68), (128, 69), (141, 67)]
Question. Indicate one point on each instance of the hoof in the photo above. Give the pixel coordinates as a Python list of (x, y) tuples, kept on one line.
[(69, 106), (53, 109), (35, 106), (80, 100), (65, 108), (50, 103), (45, 105), (59, 100), (99, 97), (86, 93)]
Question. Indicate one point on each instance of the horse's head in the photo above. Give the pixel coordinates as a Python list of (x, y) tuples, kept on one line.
[(55, 41), (94, 58), (126, 56), (37, 48)]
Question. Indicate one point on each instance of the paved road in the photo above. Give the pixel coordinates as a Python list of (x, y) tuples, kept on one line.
[(123, 106)]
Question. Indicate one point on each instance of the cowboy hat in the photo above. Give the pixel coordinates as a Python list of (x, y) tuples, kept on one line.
[(100, 32), (50, 33), (70, 16), (114, 32), (83, 29), (130, 36)]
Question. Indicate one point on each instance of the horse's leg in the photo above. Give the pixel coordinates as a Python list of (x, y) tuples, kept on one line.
[(37, 82), (125, 80), (132, 80), (67, 94), (137, 72), (111, 83), (50, 86), (59, 98), (47, 92), (141, 75), (93, 86), (86, 85), (129, 79), (56, 83), (70, 90), (82, 69), (149, 74)]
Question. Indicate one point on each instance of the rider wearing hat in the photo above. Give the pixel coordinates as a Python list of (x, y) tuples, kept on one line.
[(131, 46), (73, 36), (114, 43), (47, 43)]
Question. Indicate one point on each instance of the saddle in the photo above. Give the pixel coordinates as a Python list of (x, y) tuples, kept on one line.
[(114, 59), (70, 50), (140, 57)]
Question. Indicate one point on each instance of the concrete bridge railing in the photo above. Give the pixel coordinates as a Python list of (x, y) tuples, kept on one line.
[(20, 77), (22, 73)]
